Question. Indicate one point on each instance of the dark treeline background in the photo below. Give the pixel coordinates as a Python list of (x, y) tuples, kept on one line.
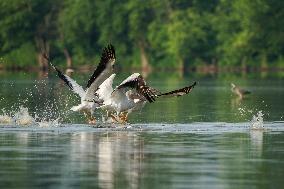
[(163, 34)]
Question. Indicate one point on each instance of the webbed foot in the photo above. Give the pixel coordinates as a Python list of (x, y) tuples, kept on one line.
[(92, 121), (123, 117)]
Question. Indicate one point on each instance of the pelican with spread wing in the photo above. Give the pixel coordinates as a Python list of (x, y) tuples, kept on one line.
[(131, 95), (90, 101)]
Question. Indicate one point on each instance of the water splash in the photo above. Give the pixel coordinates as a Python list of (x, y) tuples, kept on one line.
[(257, 121), (44, 123), (22, 117), (6, 119), (244, 111)]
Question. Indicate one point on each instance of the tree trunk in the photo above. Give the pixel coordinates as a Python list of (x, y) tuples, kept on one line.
[(263, 66), (244, 67), (146, 67), (40, 60), (68, 58), (181, 67), (43, 48)]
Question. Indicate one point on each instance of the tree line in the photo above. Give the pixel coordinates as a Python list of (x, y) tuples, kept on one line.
[(163, 34)]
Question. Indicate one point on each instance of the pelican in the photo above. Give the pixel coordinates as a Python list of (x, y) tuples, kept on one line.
[(90, 101), (131, 95)]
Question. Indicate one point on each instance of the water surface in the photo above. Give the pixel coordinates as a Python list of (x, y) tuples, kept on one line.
[(199, 155), (203, 140), (211, 100)]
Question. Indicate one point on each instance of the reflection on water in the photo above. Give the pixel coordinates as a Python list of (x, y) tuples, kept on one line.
[(256, 137), (119, 156), (121, 159), (236, 102), (105, 168)]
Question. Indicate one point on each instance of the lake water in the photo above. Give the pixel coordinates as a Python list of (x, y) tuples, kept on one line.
[(202, 140)]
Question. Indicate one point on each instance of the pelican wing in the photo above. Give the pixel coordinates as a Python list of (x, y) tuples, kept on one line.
[(102, 72), (179, 92), (72, 84), (137, 82), (105, 89)]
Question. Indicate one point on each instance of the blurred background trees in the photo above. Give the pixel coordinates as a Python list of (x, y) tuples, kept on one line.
[(164, 34)]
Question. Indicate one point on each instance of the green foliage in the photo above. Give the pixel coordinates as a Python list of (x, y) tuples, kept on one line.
[(170, 33), (14, 21), (249, 31), (77, 30), (24, 55), (112, 24)]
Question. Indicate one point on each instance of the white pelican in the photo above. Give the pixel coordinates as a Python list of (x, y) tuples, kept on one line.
[(131, 95), (89, 101)]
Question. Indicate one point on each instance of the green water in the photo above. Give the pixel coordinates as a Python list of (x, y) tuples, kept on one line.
[(202, 140), (136, 159), (211, 100)]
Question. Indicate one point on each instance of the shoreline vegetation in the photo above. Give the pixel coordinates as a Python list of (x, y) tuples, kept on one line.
[(185, 35), (205, 69)]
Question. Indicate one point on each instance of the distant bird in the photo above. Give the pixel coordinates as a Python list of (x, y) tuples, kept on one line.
[(238, 91), (131, 95), (69, 71), (89, 101)]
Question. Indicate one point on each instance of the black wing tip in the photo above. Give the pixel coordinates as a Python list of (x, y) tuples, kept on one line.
[(109, 52), (177, 92), (188, 89), (107, 55), (59, 73), (150, 98), (110, 46), (150, 95), (62, 77), (47, 58)]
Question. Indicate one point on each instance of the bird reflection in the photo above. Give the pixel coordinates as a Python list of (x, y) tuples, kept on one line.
[(235, 102), (108, 155), (119, 154), (23, 137), (83, 149), (256, 138), (105, 164)]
